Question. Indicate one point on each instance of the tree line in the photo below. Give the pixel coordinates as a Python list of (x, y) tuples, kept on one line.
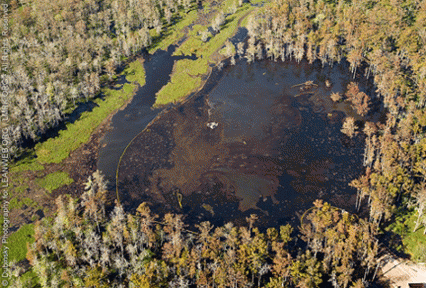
[(83, 247)]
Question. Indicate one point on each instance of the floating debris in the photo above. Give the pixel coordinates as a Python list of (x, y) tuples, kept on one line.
[(208, 208), (179, 198), (212, 125), (307, 84), (305, 93)]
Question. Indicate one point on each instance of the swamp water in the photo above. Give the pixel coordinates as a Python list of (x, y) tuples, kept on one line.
[(128, 122), (255, 139)]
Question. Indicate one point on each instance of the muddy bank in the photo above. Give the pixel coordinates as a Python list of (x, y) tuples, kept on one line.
[(128, 122), (83, 161)]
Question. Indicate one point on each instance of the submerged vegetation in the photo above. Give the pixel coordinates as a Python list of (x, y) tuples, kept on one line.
[(62, 53)]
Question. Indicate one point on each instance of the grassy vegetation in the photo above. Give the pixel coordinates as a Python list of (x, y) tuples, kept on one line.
[(135, 72), (186, 76), (21, 188), (26, 164), (54, 181), (18, 183), (244, 22), (15, 203), (185, 80), (18, 242), (181, 83), (413, 243), (54, 150), (174, 32), (30, 202), (31, 278), (207, 7), (17, 245), (57, 149)]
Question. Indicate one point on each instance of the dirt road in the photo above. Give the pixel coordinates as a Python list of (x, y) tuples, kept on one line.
[(400, 272)]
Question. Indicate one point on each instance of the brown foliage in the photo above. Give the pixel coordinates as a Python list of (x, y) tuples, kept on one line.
[(360, 101), (349, 127)]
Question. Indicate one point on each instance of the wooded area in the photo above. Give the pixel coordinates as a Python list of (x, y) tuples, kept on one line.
[(387, 41), (64, 51), (82, 247)]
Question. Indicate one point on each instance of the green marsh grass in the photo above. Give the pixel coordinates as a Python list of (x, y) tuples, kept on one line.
[(17, 249), (173, 32), (413, 243), (186, 77), (54, 181)]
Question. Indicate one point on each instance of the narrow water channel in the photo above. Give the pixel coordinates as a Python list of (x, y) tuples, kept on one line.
[(128, 122)]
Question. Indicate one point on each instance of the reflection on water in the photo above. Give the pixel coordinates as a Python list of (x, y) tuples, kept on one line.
[(277, 147)]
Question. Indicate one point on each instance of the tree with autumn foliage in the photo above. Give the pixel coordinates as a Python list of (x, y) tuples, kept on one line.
[(360, 101), (343, 244), (77, 248)]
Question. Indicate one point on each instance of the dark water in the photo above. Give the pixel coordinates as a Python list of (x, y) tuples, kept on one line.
[(276, 148), (128, 122)]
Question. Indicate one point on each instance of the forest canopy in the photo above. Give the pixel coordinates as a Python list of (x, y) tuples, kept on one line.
[(82, 247)]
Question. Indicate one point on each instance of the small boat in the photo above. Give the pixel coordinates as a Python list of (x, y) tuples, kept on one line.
[(212, 125)]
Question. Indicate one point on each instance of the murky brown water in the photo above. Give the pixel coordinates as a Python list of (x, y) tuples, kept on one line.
[(276, 148)]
